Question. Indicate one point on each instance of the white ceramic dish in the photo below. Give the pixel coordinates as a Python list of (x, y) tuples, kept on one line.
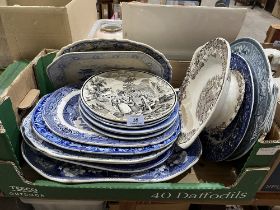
[(204, 87), (76, 67)]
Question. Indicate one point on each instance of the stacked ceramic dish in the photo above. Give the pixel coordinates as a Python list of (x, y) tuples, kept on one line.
[(228, 98), (119, 122)]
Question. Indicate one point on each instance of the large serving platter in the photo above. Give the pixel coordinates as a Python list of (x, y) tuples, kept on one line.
[(75, 67), (126, 168), (45, 134), (118, 45), (58, 152), (62, 116), (179, 162), (204, 87), (117, 95), (265, 93), (218, 146)]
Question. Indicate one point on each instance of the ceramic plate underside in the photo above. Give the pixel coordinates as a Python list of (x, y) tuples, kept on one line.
[(43, 132), (72, 68), (202, 88), (118, 94), (219, 146), (179, 162), (127, 168), (68, 112), (70, 124), (61, 153), (118, 45), (119, 125), (132, 137), (253, 53)]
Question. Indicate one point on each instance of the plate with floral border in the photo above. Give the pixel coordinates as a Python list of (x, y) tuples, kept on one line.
[(265, 93), (218, 146), (118, 45), (62, 116), (204, 87), (127, 168), (75, 67), (179, 162), (40, 129), (52, 150)]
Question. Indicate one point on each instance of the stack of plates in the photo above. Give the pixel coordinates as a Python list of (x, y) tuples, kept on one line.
[(228, 98), (123, 122), (118, 125)]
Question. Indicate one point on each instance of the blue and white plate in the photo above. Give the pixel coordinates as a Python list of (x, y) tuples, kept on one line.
[(75, 67), (219, 146), (45, 134), (118, 45), (62, 116), (54, 151), (124, 134), (127, 168), (124, 125), (265, 93), (179, 162)]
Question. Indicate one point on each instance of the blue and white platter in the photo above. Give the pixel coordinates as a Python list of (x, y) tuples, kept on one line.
[(265, 93), (61, 114), (44, 133), (54, 151), (118, 45), (126, 168), (179, 162), (75, 67), (219, 146)]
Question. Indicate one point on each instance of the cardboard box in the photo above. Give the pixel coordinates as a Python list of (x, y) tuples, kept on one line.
[(28, 26), (276, 10), (204, 183)]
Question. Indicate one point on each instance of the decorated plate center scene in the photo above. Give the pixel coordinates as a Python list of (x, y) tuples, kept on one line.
[(116, 95)]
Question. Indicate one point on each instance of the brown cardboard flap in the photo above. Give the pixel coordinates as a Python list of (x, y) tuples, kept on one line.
[(30, 99), (81, 10), (179, 69), (30, 30), (21, 86), (55, 3)]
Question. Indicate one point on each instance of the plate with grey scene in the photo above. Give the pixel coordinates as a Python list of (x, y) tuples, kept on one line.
[(61, 114), (219, 145), (124, 125), (40, 129), (118, 45), (76, 67), (128, 136), (265, 93), (121, 94), (126, 168), (54, 151), (179, 162), (203, 89)]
